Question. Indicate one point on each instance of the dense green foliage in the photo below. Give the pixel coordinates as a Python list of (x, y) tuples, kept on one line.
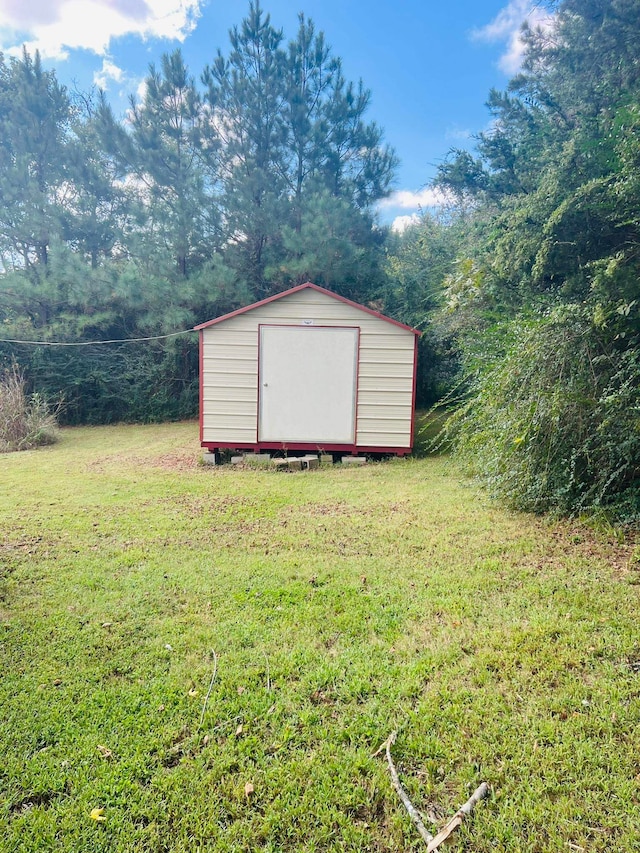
[(207, 195), (546, 304), (550, 425), (264, 172), (416, 265)]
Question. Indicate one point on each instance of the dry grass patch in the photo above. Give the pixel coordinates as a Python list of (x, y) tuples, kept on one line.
[(25, 421)]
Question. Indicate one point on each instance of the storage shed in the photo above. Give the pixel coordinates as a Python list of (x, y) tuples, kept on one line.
[(307, 370)]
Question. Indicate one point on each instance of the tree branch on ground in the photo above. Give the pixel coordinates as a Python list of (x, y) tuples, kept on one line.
[(432, 842)]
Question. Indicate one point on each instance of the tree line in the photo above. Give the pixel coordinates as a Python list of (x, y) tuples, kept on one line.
[(265, 172), (207, 195), (545, 296)]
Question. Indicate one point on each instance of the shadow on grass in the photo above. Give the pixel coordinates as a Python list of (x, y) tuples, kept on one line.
[(430, 439)]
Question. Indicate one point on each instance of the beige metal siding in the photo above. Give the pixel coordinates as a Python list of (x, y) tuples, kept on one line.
[(385, 375), (230, 384)]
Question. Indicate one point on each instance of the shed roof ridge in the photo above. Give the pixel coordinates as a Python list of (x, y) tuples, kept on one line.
[(299, 287)]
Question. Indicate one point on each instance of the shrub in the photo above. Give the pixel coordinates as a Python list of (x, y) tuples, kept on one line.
[(25, 421), (554, 424)]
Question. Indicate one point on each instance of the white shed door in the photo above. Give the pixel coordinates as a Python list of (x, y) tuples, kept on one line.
[(308, 384)]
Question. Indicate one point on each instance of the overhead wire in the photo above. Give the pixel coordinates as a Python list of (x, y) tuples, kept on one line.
[(94, 343)]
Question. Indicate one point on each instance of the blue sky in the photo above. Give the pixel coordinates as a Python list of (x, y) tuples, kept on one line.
[(429, 65)]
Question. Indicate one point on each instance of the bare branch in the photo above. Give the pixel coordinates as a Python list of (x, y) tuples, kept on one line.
[(213, 678), (432, 842), (480, 793), (266, 660), (413, 812)]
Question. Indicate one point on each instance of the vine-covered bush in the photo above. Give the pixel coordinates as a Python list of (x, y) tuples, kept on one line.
[(554, 424)]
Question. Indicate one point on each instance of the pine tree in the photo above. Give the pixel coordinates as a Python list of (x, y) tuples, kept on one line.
[(246, 94), (167, 152), (329, 144), (295, 148), (35, 115), (98, 212)]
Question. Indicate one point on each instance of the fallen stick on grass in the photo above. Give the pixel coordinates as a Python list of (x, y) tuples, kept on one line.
[(266, 660), (464, 811), (413, 812), (432, 842), (213, 678)]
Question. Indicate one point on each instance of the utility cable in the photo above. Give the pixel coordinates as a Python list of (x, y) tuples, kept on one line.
[(94, 343)]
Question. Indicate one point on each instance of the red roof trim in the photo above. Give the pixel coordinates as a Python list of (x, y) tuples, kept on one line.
[(299, 287)]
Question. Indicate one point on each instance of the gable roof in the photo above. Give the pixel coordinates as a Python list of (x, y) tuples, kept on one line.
[(307, 285)]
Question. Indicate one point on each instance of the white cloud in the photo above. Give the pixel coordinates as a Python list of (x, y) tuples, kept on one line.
[(141, 89), (109, 72), (401, 223), (409, 200), (507, 27), (458, 134), (56, 26)]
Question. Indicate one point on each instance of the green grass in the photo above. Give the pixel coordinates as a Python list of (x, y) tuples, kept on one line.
[(341, 604), (429, 426)]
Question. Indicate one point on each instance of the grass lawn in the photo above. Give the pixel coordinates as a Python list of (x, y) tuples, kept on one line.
[(341, 604)]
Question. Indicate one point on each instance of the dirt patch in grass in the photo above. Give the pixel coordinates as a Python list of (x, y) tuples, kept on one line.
[(570, 539), (174, 461), (199, 506), (30, 801), (337, 509), (177, 461)]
